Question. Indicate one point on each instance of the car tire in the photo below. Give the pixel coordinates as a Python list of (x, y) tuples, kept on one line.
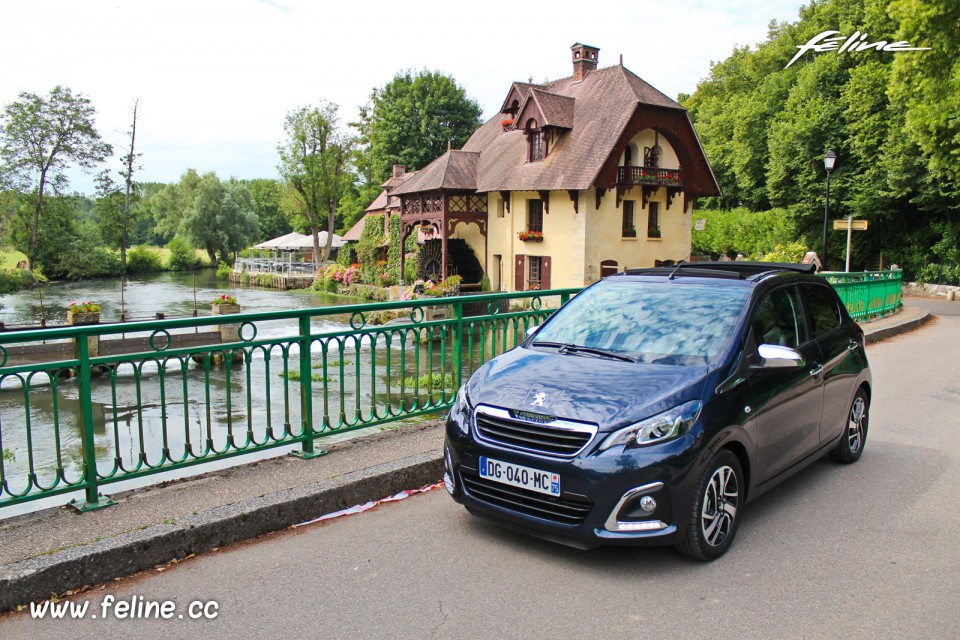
[(715, 513), (854, 436)]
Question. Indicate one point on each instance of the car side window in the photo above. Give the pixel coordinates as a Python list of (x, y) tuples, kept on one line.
[(777, 319), (823, 309)]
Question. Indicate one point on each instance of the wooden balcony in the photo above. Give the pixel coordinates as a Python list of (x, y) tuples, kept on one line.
[(652, 176)]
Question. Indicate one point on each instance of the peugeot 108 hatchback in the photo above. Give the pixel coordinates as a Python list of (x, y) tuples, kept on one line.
[(651, 407)]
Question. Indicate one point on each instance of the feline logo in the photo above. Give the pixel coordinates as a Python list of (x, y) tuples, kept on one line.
[(538, 400), (828, 41)]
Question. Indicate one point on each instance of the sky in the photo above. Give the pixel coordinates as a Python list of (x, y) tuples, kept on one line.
[(215, 78)]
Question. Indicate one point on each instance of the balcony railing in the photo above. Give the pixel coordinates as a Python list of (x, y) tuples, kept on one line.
[(649, 175)]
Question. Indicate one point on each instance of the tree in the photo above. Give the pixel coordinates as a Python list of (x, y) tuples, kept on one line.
[(41, 137), (220, 217), (314, 160), (266, 194), (412, 119)]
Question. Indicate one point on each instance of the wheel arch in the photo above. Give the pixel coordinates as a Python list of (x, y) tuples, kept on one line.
[(738, 449)]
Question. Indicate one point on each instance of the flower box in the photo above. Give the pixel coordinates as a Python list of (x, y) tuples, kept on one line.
[(225, 309), (629, 233), (653, 233), (530, 236), (83, 317)]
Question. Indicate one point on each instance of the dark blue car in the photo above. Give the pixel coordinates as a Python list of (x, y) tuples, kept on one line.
[(651, 407)]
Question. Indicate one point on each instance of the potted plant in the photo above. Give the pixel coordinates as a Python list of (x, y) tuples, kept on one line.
[(506, 123), (629, 232), (83, 313), (653, 233), (225, 305), (530, 236)]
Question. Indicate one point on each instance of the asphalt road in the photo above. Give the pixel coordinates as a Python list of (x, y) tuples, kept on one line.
[(861, 551), (935, 306)]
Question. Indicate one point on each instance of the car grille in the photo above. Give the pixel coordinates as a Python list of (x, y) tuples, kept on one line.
[(563, 510), (553, 438)]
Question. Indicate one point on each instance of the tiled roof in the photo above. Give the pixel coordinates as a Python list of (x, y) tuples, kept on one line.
[(353, 235), (380, 203), (452, 170), (594, 113)]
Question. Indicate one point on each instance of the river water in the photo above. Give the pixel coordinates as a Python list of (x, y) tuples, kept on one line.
[(142, 297), (141, 412)]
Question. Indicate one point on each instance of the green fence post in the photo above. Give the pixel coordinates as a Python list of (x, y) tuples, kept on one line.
[(306, 395), (458, 341), (92, 499)]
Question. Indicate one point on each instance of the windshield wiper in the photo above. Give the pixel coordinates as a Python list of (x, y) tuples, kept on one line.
[(573, 348)]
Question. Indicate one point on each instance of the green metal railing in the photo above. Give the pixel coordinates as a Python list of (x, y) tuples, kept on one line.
[(289, 378), (868, 294)]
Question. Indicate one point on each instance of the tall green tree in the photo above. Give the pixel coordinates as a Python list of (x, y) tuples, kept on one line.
[(41, 137), (266, 194), (315, 162), (412, 119), (220, 217)]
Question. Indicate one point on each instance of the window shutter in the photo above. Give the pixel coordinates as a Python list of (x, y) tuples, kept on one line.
[(545, 272), (518, 272)]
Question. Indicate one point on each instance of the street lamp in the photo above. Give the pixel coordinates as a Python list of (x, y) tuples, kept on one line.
[(829, 162)]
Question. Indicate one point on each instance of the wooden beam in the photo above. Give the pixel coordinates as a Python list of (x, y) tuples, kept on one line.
[(505, 196), (599, 196), (575, 196), (545, 196)]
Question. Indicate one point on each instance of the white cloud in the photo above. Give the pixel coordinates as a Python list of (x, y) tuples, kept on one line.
[(215, 78)]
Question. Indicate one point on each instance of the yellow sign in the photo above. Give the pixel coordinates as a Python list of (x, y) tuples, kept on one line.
[(855, 225)]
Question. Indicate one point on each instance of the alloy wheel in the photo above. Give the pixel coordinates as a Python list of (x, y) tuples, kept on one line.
[(720, 501), (857, 424)]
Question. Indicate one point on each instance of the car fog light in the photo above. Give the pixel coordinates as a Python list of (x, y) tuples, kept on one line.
[(648, 504)]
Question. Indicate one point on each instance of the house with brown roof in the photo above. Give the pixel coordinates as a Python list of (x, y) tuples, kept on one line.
[(573, 180), (384, 204)]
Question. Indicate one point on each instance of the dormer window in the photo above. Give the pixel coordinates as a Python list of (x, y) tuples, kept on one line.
[(536, 141)]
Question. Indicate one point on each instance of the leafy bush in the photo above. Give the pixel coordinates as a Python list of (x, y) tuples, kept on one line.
[(741, 231), (432, 381), (223, 270), (182, 256), (791, 252), (8, 455), (143, 259), (13, 280)]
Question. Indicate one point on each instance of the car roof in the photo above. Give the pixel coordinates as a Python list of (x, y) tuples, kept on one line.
[(744, 271)]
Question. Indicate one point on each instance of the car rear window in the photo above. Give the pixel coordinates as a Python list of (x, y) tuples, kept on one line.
[(668, 323)]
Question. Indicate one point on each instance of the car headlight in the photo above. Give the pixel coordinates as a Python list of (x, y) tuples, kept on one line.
[(659, 428), (460, 411)]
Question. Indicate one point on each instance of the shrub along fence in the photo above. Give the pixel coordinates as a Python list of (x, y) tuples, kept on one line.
[(290, 378)]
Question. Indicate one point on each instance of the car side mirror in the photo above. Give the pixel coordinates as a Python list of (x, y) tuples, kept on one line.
[(774, 356)]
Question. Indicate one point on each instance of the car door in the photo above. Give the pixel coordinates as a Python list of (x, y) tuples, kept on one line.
[(839, 344), (786, 402)]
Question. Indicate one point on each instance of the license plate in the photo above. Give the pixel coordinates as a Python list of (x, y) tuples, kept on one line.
[(519, 476)]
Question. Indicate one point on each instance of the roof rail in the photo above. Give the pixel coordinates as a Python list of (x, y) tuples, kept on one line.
[(733, 269)]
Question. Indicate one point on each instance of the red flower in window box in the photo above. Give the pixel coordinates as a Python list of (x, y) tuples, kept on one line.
[(507, 122), (530, 236)]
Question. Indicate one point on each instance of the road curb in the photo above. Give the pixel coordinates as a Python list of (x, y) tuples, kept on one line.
[(888, 332), (118, 556)]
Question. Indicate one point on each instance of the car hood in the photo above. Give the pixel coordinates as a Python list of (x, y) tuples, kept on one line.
[(585, 388)]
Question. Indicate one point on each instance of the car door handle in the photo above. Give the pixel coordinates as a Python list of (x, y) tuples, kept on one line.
[(817, 370), (853, 344)]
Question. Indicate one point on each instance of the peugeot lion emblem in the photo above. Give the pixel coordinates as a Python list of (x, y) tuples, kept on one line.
[(538, 399)]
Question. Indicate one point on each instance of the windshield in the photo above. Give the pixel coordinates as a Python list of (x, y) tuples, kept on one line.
[(667, 323)]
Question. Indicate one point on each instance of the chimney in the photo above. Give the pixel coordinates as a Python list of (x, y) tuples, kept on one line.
[(399, 170), (584, 60)]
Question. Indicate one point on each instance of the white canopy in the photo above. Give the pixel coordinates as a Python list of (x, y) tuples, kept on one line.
[(294, 240)]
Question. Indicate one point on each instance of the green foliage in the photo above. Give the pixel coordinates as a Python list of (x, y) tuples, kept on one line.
[(410, 120), (430, 381), (220, 218), (485, 282), (315, 163), (143, 259), (266, 196), (741, 231), (224, 270), (13, 280), (41, 137), (370, 248), (182, 256), (8, 456), (294, 374), (790, 252), (889, 116)]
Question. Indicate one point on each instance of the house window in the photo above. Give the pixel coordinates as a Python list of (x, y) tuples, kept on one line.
[(536, 141), (629, 228), (628, 156), (653, 220), (535, 272), (535, 215)]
